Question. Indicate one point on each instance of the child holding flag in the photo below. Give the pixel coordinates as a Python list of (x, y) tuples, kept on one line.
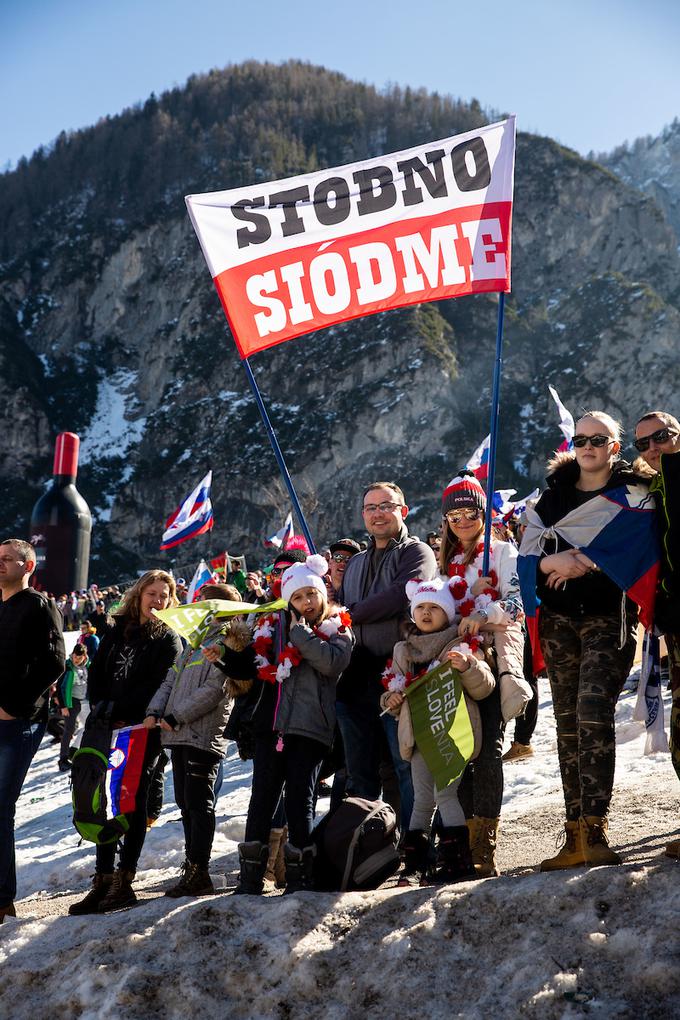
[(433, 640), (296, 657)]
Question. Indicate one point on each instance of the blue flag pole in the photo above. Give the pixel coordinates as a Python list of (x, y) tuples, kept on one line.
[(495, 407), (278, 454)]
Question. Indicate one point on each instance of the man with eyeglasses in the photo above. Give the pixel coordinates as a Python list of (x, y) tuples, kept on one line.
[(32, 658), (373, 588), (657, 440)]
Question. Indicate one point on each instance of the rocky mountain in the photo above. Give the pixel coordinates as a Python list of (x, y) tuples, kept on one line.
[(653, 166), (110, 326)]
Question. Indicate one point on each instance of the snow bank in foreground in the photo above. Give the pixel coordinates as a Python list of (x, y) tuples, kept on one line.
[(539, 946)]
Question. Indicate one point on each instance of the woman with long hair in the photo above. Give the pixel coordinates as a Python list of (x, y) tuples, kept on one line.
[(489, 603), (587, 631), (132, 660)]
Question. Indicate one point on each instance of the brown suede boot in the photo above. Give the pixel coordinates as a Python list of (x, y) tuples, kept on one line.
[(276, 867), (101, 885), (596, 846), (673, 849), (121, 894), (483, 837), (570, 854)]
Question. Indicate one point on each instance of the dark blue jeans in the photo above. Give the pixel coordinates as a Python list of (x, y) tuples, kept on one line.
[(19, 740)]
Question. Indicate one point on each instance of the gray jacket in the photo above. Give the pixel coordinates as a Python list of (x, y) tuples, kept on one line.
[(307, 706), (378, 608), (195, 693)]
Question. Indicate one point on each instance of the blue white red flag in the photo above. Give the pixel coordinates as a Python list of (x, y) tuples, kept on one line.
[(193, 517), (502, 503), (567, 426), (281, 537), (521, 504), (126, 760), (202, 575), (479, 461), (616, 530)]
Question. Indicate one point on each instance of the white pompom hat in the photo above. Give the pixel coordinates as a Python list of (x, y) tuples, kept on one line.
[(437, 591), (309, 574)]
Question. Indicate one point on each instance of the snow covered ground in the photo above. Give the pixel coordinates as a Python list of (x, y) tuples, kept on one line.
[(600, 943)]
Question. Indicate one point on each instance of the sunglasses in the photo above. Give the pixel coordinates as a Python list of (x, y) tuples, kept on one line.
[(340, 558), (470, 513), (595, 441), (660, 437), (277, 571)]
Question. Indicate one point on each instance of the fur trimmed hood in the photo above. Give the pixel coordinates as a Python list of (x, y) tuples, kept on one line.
[(563, 469)]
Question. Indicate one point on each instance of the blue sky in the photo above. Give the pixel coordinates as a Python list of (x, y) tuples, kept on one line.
[(590, 74)]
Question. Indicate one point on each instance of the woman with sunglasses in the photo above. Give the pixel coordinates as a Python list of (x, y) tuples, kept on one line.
[(657, 433), (490, 603), (587, 630)]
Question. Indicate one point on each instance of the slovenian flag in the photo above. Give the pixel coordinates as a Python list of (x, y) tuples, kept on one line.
[(193, 517), (202, 575), (479, 461), (501, 502), (126, 760), (616, 530)]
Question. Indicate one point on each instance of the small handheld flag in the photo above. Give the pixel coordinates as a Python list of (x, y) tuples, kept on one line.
[(567, 426), (279, 539), (193, 517), (479, 461)]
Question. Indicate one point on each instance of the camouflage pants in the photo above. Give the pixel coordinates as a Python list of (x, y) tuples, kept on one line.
[(586, 670), (673, 646)]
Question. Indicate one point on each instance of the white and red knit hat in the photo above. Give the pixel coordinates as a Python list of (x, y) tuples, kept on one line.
[(437, 591), (462, 491), (309, 574)]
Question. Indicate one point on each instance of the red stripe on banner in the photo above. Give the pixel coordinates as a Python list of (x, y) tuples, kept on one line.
[(538, 662), (129, 783), (456, 252), (643, 593)]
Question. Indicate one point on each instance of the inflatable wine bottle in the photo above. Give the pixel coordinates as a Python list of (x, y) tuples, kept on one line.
[(61, 525)]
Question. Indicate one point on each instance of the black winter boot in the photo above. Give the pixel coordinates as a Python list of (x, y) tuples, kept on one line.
[(253, 861), (101, 884), (299, 868), (416, 858), (120, 894), (454, 859)]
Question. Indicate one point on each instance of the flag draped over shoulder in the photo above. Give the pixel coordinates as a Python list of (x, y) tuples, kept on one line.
[(193, 622), (441, 724), (430, 222), (616, 530), (193, 516)]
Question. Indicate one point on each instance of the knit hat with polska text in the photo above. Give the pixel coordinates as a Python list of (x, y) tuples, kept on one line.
[(437, 591), (462, 491)]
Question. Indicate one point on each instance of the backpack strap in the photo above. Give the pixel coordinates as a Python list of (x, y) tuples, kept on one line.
[(351, 849)]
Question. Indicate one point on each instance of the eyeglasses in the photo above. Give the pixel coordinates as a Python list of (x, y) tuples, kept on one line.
[(385, 508), (660, 437), (340, 558), (469, 513), (596, 441)]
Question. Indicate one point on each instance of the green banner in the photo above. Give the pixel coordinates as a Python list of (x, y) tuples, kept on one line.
[(193, 622), (441, 724)]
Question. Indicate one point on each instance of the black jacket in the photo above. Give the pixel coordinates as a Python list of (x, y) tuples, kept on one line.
[(151, 658), (32, 655), (594, 594)]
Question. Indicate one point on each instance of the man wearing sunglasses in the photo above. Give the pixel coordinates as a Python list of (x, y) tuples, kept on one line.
[(657, 439), (373, 588), (341, 552)]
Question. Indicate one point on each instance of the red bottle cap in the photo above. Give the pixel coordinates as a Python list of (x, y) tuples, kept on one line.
[(66, 454)]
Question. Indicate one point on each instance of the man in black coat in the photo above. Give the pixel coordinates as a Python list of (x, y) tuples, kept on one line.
[(32, 658)]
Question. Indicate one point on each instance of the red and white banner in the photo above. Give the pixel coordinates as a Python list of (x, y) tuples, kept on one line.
[(430, 222)]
